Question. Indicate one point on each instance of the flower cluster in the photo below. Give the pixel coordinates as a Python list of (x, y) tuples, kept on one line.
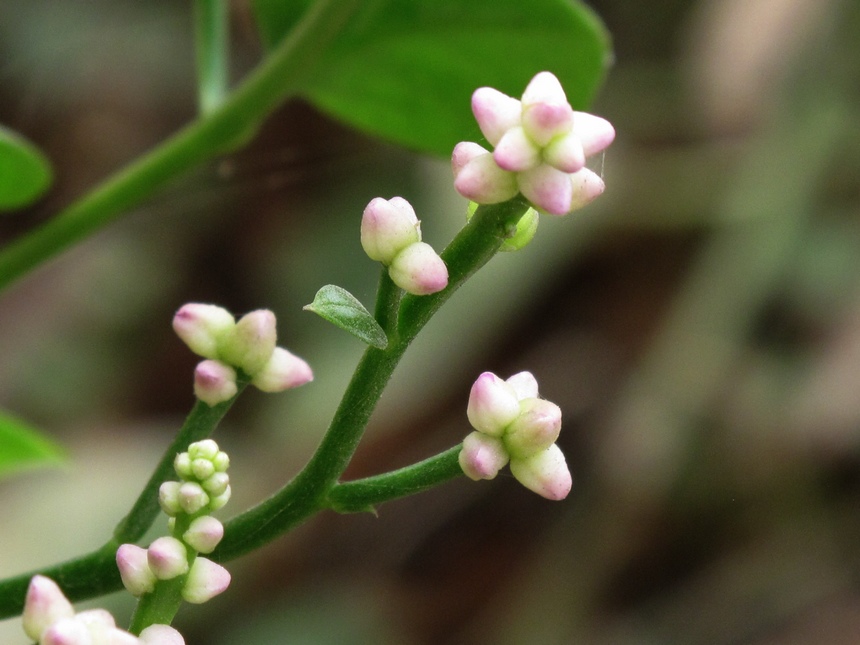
[(205, 487), (50, 619), (512, 424), (248, 345), (391, 234), (540, 147)]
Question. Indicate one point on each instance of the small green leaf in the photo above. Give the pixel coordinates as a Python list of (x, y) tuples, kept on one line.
[(25, 173), (405, 70), (341, 308), (23, 447)]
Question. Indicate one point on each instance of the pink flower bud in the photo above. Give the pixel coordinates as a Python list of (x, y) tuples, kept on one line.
[(202, 327), (565, 153), (419, 270), (534, 430), (102, 628), (192, 497), (587, 185), (214, 382), (548, 188), (544, 122), (161, 635), (482, 456), (496, 113), (478, 177), (493, 405), (595, 133), (388, 227), (283, 371), (545, 473), (167, 558), (66, 631), (204, 534), (516, 152), (252, 342), (45, 605), (134, 570), (205, 580), (544, 88)]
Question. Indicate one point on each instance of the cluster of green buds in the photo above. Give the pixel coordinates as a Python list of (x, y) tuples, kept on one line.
[(513, 424), (248, 345), (204, 488)]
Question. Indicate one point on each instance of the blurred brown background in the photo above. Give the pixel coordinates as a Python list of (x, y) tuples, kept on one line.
[(699, 326)]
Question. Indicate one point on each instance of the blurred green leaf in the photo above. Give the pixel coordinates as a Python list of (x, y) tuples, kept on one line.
[(405, 70), (21, 447), (341, 308), (25, 173)]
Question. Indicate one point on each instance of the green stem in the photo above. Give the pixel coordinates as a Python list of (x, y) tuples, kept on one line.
[(201, 422), (212, 40), (307, 493), (315, 488), (361, 495), (388, 297), (277, 78)]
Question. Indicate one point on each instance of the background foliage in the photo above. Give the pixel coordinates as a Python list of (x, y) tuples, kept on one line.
[(699, 325)]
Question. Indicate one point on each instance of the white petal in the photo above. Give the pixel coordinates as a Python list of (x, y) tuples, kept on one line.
[(544, 88), (550, 190), (482, 181), (565, 153), (595, 132), (516, 152), (545, 473), (586, 185)]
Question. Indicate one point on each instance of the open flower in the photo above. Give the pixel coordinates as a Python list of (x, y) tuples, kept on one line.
[(540, 148), (512, 424)]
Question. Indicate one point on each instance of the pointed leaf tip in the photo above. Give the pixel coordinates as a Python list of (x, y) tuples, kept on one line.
[(342, 309)]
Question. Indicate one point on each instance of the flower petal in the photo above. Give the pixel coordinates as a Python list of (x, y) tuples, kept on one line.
[(595, 133), (565, 153), (550, 190), (545, 473), (482, 181), (482, 456), (544, 88), (516, 152)]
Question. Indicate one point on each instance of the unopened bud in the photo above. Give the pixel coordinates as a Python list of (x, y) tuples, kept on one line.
[(202, 327), (387, 227), (161, 635), (419, 270), (168, 498), (535, 429), (206, 580), (192, 497), (167, 558), (478, 177), (252, 342), (219, 501), (216, 484), (493, 405), (133, 564), (45, 605), (283, 371), (545, 473), (214, 382), (204, 534), (482, 456)]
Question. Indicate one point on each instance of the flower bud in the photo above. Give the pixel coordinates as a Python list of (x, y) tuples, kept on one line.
[(478, 177), (202, 327), (134, 570), (168, 498), (205, 580), (493, 405), (216, 484), (192, 497), (66, 631), (221, 461), (214, 382), (548, 188), (516, 152), (204, 449), (534, 430), (419, 270), (202, 469), (45, 605), (218, 501), (204, 534), (161, 635), (388, 227), (496, 113), (524, 384), (545, 473), (167, 558), (252, 342), (482, 456), (283, 371)]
